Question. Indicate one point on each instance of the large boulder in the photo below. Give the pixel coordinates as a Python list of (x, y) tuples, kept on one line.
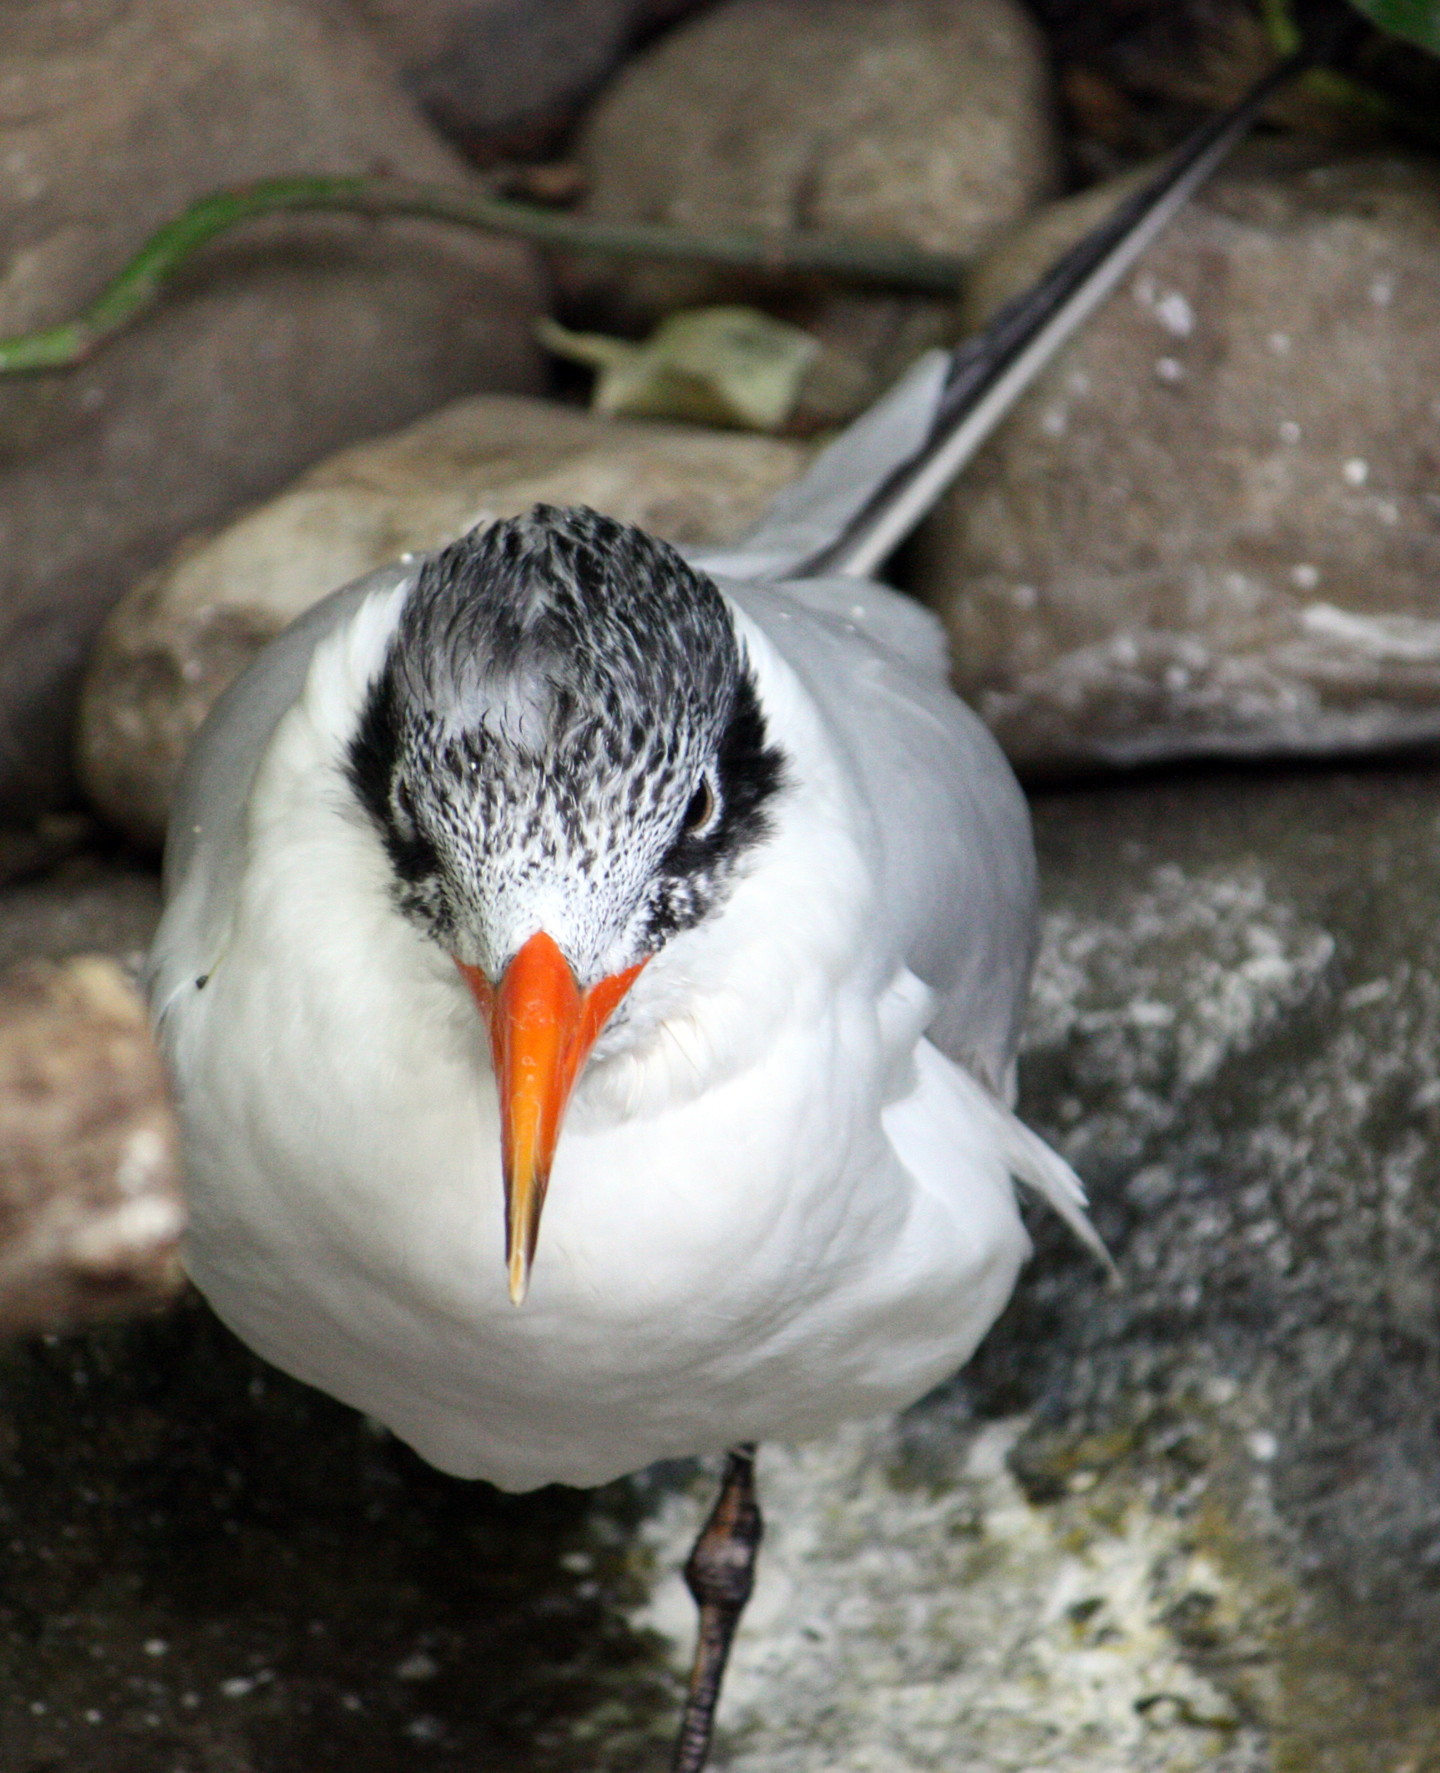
[(180, 636), (506, 76), (281, 343), (920, 121), (1212, 526)]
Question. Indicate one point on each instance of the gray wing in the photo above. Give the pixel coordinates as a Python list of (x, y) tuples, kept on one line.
[(949, 835), (204, 846)]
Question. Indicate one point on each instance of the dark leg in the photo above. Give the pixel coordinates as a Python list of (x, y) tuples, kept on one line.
[(720, 1575)]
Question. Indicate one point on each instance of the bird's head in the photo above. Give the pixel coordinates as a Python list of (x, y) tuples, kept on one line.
[(565, 758)]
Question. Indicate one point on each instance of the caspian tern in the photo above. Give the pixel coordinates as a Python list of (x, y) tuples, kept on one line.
[(701, 856)]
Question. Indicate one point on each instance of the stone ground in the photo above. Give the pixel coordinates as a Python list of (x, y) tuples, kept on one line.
[(1190, 1523)]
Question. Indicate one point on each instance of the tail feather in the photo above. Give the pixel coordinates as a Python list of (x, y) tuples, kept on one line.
[(865, 493), (1032, 1162), (808, 516)]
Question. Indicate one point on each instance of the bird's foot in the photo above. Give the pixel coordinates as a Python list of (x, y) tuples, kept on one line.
[(720, 1574)]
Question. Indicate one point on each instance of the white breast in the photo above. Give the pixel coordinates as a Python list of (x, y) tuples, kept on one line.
[(774, 1204)]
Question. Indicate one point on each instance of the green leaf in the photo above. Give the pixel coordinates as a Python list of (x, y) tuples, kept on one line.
[(714, 366), (1416, 20)]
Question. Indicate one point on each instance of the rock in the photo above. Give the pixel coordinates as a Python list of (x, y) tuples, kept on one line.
[(1183, 1525), (284, 341), (91, 903), (90, 1208), (916, 1609), (1237, 1039), (505, 77), (174, 643), (925, 121), (1211, 527), (906, 120), (27, 850)]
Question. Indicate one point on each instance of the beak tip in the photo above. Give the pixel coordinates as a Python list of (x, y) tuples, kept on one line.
[(542, 1027)]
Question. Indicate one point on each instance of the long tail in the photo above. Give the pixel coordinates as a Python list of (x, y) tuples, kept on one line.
[(864, 494)]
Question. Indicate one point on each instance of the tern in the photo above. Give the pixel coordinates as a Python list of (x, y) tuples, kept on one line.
[(697, 855)]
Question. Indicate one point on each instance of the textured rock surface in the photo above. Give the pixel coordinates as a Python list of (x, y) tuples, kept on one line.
[(505, 76), (174, 643), (920, 120), (90, 903), (285, 341), (1188, 1524), (1213, 525), (906, 119), (90, 1210), (1237, 1038)]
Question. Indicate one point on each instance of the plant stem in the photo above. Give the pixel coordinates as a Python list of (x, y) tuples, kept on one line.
[(138, 286)]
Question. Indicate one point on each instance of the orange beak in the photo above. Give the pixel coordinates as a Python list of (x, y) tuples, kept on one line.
[(542, 1027)]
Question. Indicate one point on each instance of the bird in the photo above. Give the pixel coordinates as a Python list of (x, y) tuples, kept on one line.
[(591, 977)]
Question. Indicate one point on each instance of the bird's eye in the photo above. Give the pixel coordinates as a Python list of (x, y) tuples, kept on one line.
[(701, 812), (404, 804)]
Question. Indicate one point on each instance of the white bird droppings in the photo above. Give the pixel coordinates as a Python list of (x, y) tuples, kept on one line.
[(1169, 369), (1263, 1445), (1289, 431), (1175, 314), (1304, 576), (1356, 471)]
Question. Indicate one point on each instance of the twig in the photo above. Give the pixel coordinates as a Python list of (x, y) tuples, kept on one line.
[(139, 284)]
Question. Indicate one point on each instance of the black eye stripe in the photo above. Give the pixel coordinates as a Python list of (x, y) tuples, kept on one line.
[(750, 772)]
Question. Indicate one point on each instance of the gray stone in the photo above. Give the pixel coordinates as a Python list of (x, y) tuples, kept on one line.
[(506, 76), (91, 903), (173, 644), (90, 1208), (1237, 1039), (925, 121), (284, 341), (1212, 527)]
